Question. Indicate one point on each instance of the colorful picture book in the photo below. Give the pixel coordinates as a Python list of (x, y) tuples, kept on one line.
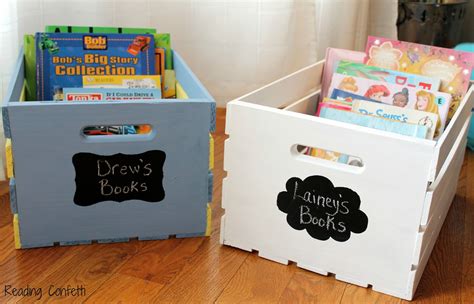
[(163, 41), (90, 63), (62, 59), (396, 86), (398, 114), (348, 96), (328, 155), (169, 88), (160, 62), (333, 56), (335, 104), (132, 81), (397, 95), (386, 75), (29, 49), (451, 66), (373, 122), (109, 94)]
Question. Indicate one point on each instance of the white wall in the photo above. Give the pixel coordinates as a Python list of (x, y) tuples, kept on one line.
[(243, 44), (234, 46)]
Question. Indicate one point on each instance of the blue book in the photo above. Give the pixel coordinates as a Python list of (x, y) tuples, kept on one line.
[(348, 96), (63, 58), (109, 94), (374, 122)]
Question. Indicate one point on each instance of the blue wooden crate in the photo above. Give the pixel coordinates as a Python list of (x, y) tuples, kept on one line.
[(46, 136)]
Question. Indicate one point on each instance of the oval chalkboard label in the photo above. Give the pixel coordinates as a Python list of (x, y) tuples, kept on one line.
[(119, 177), (323, 210)]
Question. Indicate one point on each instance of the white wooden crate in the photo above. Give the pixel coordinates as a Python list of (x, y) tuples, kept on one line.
[(406, 185)]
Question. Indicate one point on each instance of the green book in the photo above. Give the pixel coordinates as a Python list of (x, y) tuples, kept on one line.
[(30, 67), (164, 41)]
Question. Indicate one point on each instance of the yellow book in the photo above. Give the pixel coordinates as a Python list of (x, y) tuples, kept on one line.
[(211, 152), (9, 157), (128, 81), (169, 89), (16, 231), (209, 220)]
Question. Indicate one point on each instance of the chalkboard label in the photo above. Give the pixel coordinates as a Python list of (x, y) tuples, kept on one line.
[(323, 210), (119, 177)]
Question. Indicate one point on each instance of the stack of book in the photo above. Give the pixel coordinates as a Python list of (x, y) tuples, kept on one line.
[(88, 64), (396, 86)]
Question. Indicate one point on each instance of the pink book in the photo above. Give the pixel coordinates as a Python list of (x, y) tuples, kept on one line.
[(451, 66), (333, 56), (334, 104)]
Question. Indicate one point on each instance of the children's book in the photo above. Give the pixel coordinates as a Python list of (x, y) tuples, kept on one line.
[(451, 66), (342, 105), (109, 94), (397, 95), (160, 62), (348, 96), (375, 122), (396, 113), (132, 81), (169, 89), (332, 103), (386, 75), (327, 155), (30, 67), (333, 56), (62, 59), (97, 29), (163, 41)]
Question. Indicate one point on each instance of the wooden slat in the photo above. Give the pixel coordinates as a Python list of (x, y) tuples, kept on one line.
[(446, 141), (288, 89)]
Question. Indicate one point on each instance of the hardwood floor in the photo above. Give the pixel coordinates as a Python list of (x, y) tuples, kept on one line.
[(200, 270)]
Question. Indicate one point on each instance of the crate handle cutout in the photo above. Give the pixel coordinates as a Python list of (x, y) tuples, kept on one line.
[(325, 157), (118, 132)]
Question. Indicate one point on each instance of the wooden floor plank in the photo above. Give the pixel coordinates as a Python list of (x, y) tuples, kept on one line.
[(356, 294), (5, 214), (7, 251), (162, 261), (89, 266), (121, 288), (200, 270), (258, 281), (468, 257), (206, 275), (306, 287)]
